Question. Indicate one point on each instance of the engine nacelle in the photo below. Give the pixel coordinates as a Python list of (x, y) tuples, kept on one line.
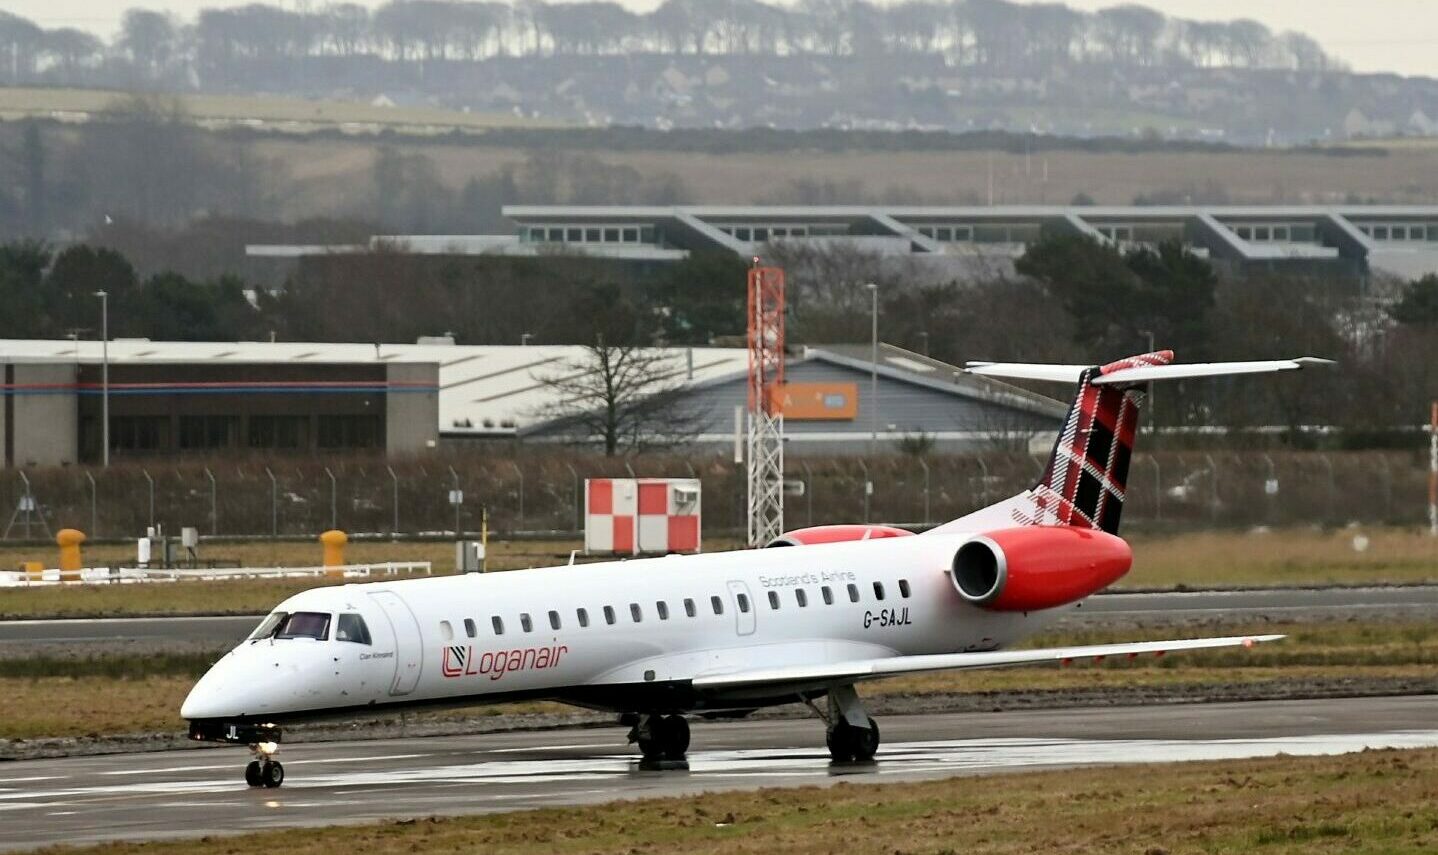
[(1038, 567), (836, 534)]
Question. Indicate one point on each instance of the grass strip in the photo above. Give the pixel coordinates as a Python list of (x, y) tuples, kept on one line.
[(1370, 802)]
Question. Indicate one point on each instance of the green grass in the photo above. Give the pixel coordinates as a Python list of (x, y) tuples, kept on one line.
[(1372, 802)]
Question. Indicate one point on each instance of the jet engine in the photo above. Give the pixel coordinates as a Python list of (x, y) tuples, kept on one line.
[(836, 534), (1038, 567)]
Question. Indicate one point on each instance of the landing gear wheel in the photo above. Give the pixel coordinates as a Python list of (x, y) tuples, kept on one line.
[(272, 774), (664, 737), (252, 774), (848, 743), (676, 733)]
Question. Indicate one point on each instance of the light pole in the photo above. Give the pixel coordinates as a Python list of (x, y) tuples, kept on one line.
[(104, 378), (873, 367)]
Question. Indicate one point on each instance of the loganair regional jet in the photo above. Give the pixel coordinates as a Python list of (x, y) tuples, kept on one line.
[(722, 634)]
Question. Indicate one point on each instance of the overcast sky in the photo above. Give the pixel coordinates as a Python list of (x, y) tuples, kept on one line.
[(1371, 35)]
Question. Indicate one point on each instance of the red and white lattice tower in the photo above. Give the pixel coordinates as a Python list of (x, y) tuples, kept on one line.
[(766, 417)]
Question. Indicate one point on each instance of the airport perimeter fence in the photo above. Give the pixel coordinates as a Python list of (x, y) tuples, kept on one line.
[(542, 493), (536, 494)]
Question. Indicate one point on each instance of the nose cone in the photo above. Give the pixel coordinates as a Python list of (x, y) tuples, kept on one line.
[(263, 680), (208, 698)]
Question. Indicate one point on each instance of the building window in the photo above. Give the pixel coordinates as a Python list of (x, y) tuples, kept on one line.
[(208, 432), (139, 433), (631, 235), (470, 629), (350, 432), (279, 432), (611, 235), (761, 235), (741, 234), (646, 234), (556, 235), (574, 235), (591, 235), (1380, 233)]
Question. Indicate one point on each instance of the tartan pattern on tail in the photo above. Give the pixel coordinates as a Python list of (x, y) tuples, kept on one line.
[(1087, 474)]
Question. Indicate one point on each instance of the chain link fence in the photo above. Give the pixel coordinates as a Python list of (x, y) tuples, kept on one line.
[(538, 494)]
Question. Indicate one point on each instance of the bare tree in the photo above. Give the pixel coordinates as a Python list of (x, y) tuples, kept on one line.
[(625, 397)]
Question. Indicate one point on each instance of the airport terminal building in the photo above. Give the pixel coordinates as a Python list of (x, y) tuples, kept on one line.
[(1354, 241), (177, 399)]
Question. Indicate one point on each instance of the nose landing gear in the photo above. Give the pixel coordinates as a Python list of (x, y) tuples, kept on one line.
[(264, 770)]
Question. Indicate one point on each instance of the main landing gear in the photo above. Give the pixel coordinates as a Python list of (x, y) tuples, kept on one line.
[(852, 735), (661, 737)]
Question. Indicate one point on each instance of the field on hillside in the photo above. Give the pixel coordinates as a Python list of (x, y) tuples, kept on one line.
[(262, 112)]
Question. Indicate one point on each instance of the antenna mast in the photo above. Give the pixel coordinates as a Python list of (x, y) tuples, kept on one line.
[(766, 417)]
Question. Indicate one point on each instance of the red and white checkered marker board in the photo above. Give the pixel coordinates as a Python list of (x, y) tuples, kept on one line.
[(632, 516)]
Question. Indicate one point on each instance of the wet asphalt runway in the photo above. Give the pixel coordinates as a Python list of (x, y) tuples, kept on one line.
[(1416, 601), (198, 792)]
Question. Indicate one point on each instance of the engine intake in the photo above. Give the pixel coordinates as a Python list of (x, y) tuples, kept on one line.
[(1038, 567)]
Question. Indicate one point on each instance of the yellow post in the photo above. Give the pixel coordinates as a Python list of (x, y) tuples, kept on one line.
[(71, 560), (34, 570), (334, 543)]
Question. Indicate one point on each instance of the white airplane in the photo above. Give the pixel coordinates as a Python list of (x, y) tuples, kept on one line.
[(722, 634)]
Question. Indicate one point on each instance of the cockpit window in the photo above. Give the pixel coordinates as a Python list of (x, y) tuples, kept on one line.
[(314, 625), (352, 627), (267, 626)]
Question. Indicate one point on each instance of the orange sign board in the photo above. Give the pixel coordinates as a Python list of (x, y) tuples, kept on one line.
[(818, 401)]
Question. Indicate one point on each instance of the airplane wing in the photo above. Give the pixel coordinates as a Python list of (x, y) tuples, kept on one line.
[(871, 669)]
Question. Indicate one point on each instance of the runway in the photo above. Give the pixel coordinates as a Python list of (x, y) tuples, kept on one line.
[(199, 792), (1151, 608)]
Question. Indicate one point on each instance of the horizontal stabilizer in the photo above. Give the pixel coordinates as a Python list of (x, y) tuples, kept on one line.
[(800, 676), (1130, 376)]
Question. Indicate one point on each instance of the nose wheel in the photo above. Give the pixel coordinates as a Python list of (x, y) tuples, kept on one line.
[(264, 771)]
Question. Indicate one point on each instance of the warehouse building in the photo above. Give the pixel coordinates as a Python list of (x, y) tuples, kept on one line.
[(1351, 240), (172, 399)]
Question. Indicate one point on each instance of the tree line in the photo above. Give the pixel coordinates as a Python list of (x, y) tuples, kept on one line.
[(993, 34)]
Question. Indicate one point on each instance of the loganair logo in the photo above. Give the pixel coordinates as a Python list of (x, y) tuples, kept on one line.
[(460, 661)]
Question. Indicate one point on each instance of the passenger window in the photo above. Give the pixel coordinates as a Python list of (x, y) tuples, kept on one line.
[(554, 620), (609, 615), (525, 623), (662, 608), (689, 607), (635, 613), (717, 604), (498, 623), (801, 597), (828, 595), (853, 593), (773, 599), (743, 601), (469, 628), (904, 588), (446, 631), (878, 590), (583, 615), (351, 627)]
